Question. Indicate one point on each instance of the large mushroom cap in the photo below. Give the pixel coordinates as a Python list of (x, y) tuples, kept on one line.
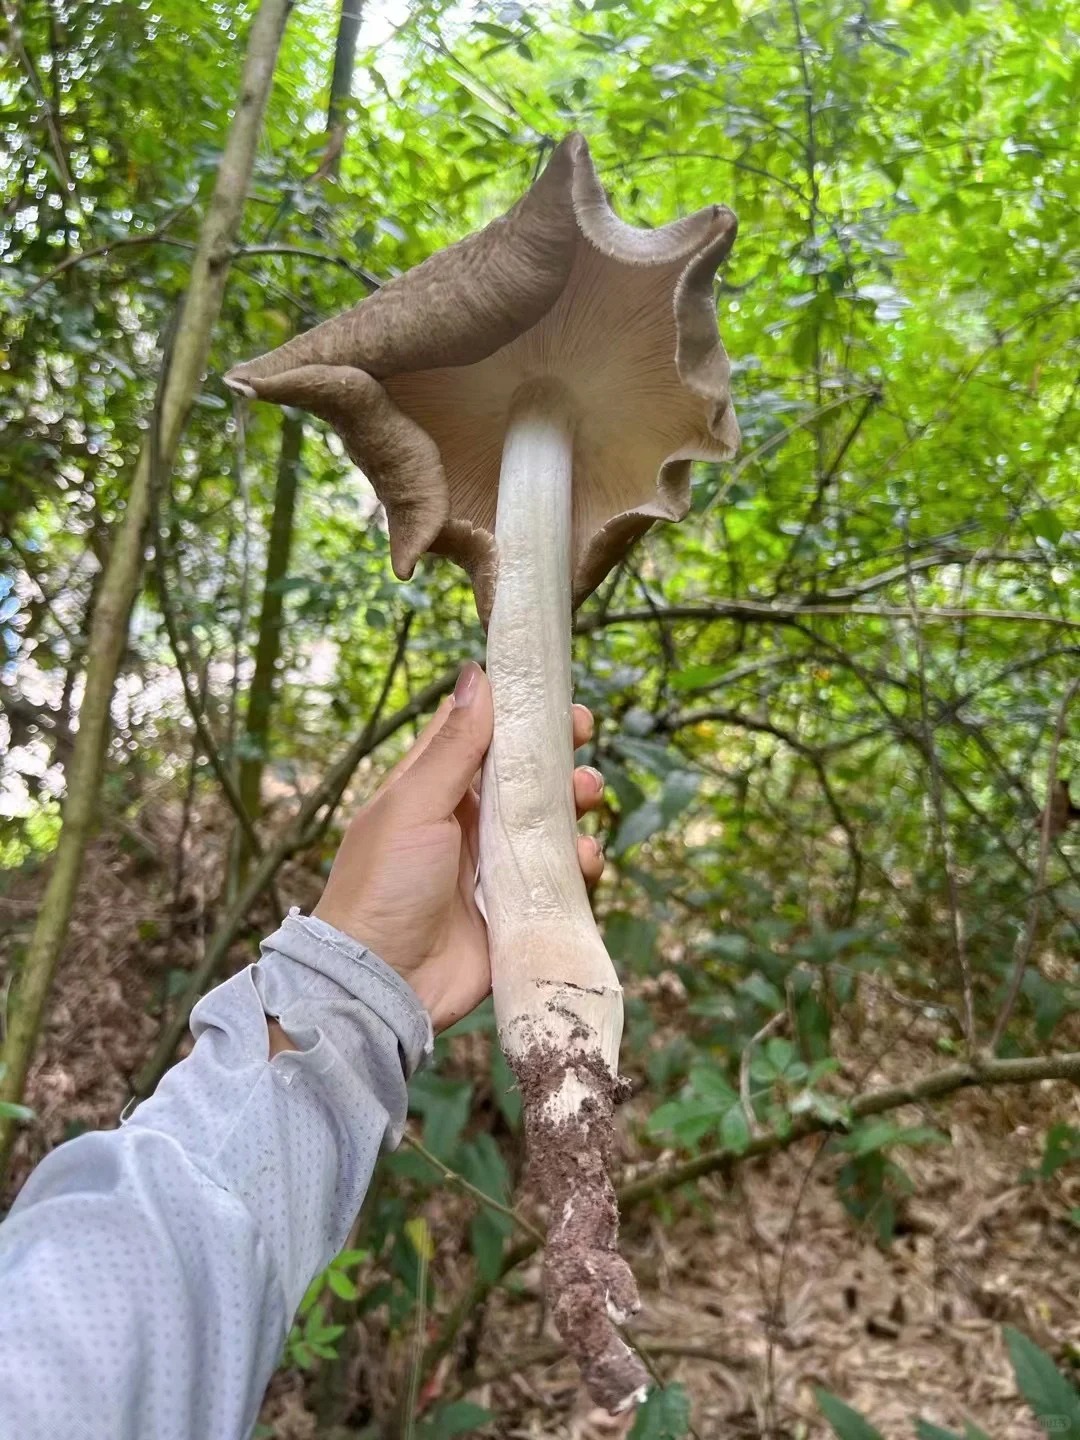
[(418, 379)]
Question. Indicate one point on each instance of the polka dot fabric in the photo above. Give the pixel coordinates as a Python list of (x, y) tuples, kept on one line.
[(149, 1275)]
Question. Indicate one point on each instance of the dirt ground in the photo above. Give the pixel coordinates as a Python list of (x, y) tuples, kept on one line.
[(913, 1330)]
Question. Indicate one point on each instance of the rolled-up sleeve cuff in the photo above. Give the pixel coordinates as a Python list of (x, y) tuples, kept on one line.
[(295, 1138), (305, 957)]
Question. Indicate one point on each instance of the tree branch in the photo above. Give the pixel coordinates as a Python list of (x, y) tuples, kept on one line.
[(786, 612), (1027, 944), (936, 1085), (150, 238), (305, 829)]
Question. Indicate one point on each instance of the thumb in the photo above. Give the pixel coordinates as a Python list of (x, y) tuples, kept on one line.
[(435, 783)]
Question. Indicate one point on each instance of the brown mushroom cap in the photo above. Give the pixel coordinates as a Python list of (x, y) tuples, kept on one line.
[(418, 378)]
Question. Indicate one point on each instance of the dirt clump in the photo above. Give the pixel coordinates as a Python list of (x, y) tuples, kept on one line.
[(588, 1284)]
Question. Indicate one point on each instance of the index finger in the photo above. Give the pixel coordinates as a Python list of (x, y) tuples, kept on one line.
[(423, 740)]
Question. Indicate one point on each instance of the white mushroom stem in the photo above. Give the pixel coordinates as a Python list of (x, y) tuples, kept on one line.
[(558, 1002), (552, 976)]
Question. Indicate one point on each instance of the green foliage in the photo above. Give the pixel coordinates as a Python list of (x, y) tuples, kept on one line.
[(1061, 1149), (313, 1335), (1054, 1402), (665, 1415), (15, 1112), (871, 1182), (847, 1424), (777, 681), (925, 1431), (708, 1106), (460, 1417)]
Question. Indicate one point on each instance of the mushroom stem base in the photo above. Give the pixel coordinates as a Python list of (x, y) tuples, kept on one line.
[(588, 1285)]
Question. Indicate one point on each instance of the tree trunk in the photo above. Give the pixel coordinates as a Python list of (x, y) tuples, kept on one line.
[(123, 571), (268, 642), (337, 121), (268, 645)]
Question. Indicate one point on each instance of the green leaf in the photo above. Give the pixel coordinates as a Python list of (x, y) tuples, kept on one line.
[(481, 1163), (925, 1430), (640, 825), (487, 1238), (312, 1293), (445, 1106), (878, 1135), (665, 1415), (1055, 1403), (631, 939), (350, 1258), (1061, 1148), (505, 1088), (846, 1423), (341, 1285), (460, 1417), (648, 755), (1046, 525), (688, 1121), (735, 1129), (677, 791), (302, 1354)]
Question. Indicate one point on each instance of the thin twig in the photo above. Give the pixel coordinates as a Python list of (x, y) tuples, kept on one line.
[(1027, 943), (158, 482), (813, 513), (936, 1085), (650, 1366), (460, 1183), (412, 1391), (944, 837), (745, 1097), (356, 271), (150, 238), (552, 1351), (781, 612)]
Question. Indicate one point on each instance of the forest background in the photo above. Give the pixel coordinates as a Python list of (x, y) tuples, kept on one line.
[(833, 705)]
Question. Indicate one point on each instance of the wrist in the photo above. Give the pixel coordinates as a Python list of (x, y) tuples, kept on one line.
[(311, 976), (279, 1041)]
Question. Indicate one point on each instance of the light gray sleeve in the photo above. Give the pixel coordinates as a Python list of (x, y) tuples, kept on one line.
[(149, 1275)]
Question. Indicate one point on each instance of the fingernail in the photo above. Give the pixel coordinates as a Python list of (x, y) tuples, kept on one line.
[(465, 689), (595, 776), (597, 847)]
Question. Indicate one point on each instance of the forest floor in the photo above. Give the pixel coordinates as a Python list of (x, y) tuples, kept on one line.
[(911, 1330)]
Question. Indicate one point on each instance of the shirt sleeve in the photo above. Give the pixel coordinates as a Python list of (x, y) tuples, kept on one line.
[(149, 1274)]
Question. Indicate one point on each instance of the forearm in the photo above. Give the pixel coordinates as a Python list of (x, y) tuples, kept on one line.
[(150, 1274)]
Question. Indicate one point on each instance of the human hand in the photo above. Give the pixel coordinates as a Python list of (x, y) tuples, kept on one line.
[(404, 878)]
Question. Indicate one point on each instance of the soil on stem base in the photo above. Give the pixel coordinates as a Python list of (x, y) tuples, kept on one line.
[(588, 1285)]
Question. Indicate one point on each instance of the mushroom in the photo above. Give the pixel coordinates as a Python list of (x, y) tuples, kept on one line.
[(528, 402)]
